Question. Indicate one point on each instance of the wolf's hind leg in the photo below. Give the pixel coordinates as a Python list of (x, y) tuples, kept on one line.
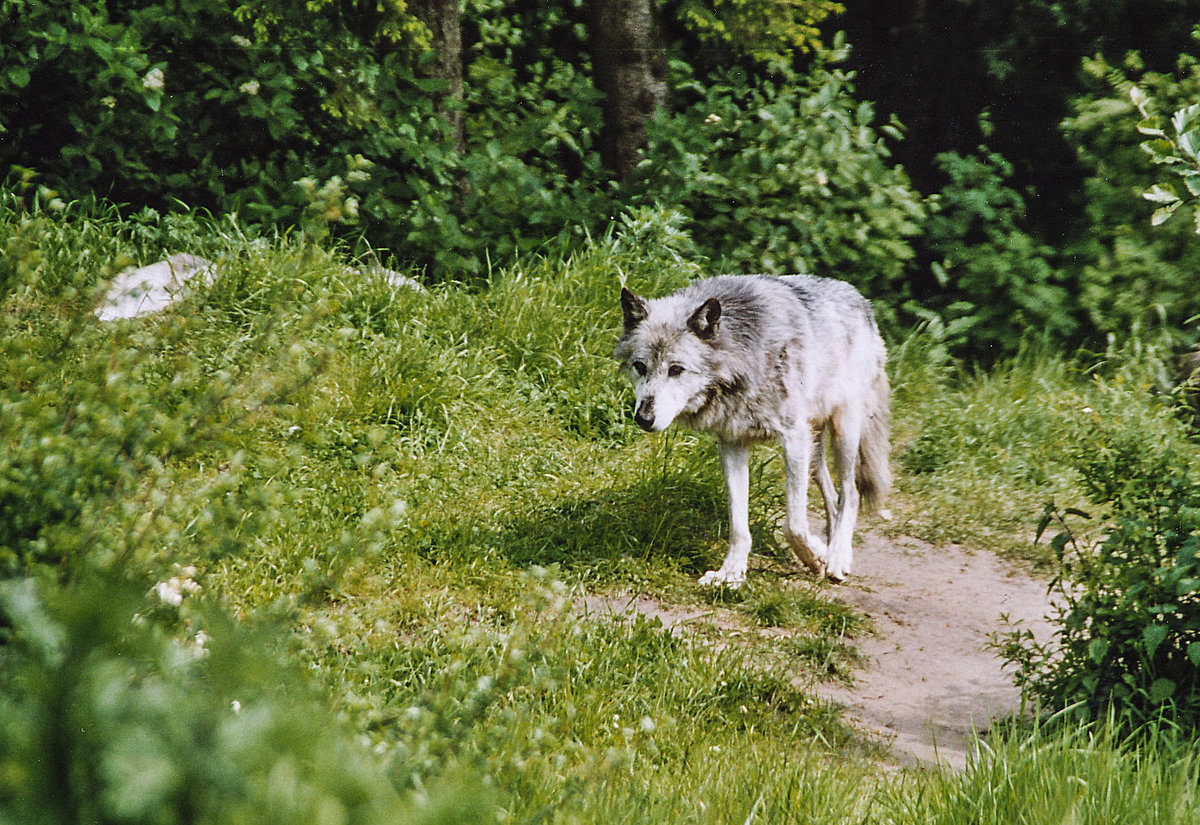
[(846, 437), (824, 483), (798, 448), (735, 463)]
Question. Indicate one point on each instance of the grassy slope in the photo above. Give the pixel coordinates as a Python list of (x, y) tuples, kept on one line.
[(420, 482)]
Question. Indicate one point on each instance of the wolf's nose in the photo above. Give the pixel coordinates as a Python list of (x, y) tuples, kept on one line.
[(644, 415)]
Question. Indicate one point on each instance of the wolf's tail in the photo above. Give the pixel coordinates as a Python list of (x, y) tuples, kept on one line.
[(873, 475)]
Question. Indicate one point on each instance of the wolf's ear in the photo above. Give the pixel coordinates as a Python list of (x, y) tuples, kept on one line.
[(704, 320), (633, 307)]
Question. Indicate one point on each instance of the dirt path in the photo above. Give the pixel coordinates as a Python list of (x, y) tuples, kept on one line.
[(930, 680)]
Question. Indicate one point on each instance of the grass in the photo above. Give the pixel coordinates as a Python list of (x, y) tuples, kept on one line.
[(982, 453), (416, 486)]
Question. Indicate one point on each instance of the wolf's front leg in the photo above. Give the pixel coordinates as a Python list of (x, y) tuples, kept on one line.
[(735, 462)]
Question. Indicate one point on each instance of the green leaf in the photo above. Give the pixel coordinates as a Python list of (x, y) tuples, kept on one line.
[(1184, 118), (1153, 636), (1161, 690), (1042, 524), (1189, 142), (1193, 653), (1163, 214), (1161, 193), (1139, 98), (18, 76), (1150, 126), (1097, 649)]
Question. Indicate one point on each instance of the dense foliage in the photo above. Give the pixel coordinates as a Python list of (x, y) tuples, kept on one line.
[(788, 174), (1132, 269), (1026, 220), (1128, 624)]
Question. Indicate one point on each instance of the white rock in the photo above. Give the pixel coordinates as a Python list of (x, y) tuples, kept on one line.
[(393, 278), (152, 288)]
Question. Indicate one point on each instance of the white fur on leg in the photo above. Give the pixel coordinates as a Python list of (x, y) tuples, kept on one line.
[(798, 452), (841, 542), (732, 579), (735, 463)]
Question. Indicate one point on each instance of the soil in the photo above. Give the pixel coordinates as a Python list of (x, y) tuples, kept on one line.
[(929, 683)]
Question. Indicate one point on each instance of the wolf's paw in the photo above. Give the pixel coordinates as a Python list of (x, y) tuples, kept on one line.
[(816, 567), (837, 573), (807, 556), (728, 578)]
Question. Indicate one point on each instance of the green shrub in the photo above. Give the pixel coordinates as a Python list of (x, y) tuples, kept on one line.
[(787, 174), (1132, 271), (114, 709), (1127, 636), (998, 284), (287, 115)]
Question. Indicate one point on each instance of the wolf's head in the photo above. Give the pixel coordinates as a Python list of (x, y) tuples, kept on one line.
[(666, 350)]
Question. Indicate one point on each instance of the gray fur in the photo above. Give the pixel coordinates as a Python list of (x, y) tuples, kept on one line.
[(752, 358)]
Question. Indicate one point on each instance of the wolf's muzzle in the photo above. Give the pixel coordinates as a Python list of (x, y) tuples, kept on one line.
[(644, 416)]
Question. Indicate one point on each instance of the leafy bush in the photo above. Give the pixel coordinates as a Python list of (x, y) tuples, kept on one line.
[(1132, 271), (999, 286), (114, 710), (786, 174), (260, 112), (1128, 620)]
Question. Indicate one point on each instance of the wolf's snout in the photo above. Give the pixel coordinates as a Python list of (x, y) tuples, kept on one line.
[(644, 416)]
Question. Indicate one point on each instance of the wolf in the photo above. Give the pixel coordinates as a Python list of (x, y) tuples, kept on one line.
[(751, 358)]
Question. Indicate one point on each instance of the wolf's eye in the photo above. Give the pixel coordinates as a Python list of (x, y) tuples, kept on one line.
[(640, 368), (674, 371)]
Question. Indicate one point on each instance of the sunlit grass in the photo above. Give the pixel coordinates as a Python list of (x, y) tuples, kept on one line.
[(418, 485)]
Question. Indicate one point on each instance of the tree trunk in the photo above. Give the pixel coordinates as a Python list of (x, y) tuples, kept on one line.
[(629, 66), (443, 18)]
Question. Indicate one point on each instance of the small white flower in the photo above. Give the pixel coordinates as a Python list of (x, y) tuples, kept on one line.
[(250, 87), (175, 588), (154, 80), (239, 40), (236, 706), (169, 592), (109, 102), (713, 119)]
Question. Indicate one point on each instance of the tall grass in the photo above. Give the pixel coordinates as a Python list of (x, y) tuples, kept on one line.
[(982, 453), (416, 486), (1061, 774)]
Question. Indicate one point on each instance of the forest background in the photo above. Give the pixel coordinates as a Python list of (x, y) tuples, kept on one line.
[(973, 164)]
